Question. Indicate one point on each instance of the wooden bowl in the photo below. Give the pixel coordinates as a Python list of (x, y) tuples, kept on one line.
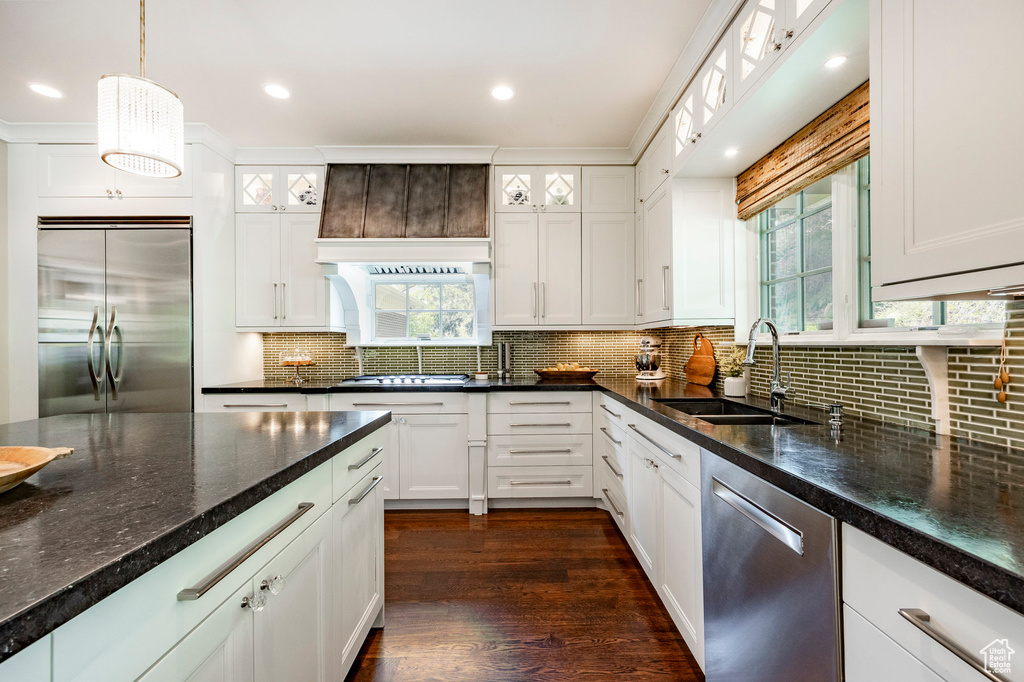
[(566, 374), (18, 463)]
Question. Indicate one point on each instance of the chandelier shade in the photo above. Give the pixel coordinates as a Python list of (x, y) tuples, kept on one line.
[(141, 126)]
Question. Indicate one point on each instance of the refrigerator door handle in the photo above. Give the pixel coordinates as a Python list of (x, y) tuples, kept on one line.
[(115, 375), (97, 380)]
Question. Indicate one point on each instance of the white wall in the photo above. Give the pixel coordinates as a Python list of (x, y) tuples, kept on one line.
[(4, 266)]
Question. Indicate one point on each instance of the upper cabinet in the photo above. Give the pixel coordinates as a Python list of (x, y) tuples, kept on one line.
[(534, 189), (266, 189), (684, 121), (715, 86), (608, 189), (76, 170), (945, 210), (754, 40), (655, 165)]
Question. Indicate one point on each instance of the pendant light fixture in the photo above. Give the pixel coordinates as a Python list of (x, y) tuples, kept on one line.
[(141, 123)]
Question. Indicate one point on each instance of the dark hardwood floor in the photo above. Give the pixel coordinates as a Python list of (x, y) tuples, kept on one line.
[(518, 595)]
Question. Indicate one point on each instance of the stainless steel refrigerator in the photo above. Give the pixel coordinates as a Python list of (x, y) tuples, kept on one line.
[(115, 315)]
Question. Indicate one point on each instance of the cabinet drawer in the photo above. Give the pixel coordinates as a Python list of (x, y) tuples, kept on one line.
[(255, 402), (401, 403), (537, 402), (612, 466), (879, 580), (540, 482), (870, 656), (123, 635), (504, 451), (615, 502), (548, 423), (677, 453), (352, 463), (611, 433), (613, 411)]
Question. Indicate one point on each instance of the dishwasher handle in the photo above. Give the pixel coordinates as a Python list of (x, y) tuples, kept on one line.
[(771, 524)]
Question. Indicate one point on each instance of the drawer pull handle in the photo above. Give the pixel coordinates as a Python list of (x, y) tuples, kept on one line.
[(364, 460), (922, 621), (255, 405), (565, 482), (373, 484), (617, 416), (655, 443), (566, 425), (771, 524), (395, 404), (193, 593), (609, 498), (563, 451), (609, 434), (526, 402), (609, 463)]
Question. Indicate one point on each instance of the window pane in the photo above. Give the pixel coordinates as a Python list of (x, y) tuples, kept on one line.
[(784, 305), (782, 252), (425, 323), (975, 312), (818, 240), (457, 296), (905, 313), (457, 325), (817, 300), (782, 211), (818, 194), (390, 325), (390, 297), (424, 296)]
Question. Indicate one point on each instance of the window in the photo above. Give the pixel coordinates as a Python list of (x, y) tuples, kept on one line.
[(796, 259), (424, 311), (908, 314)]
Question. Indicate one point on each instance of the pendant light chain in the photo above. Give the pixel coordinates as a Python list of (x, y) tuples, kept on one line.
[(142, 37)]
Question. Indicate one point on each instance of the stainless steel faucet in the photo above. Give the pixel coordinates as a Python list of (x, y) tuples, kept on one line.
[(777, 389)]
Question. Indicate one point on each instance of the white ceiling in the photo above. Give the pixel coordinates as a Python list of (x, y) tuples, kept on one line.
[(361, 72)]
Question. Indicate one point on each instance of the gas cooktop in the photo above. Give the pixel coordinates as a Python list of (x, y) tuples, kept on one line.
[(443, 379)]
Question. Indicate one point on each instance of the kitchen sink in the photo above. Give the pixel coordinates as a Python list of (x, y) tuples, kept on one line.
[(718, 411)]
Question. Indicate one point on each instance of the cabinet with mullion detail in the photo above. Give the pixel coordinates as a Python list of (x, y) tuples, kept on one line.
[(278, 189), (537, 189)]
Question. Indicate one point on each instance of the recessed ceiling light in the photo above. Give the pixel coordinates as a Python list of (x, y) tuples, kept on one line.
[(502, 92), (45, 90), (731, 152), (278, 91), (836, 61)]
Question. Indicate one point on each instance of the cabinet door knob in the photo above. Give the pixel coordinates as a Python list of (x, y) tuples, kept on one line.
[(110, 195), (119, 195), (273, 208), (283, 207), (401, 419), (256, 602), (273, 586)]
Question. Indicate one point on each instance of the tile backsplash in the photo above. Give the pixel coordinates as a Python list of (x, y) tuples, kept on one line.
[(881, 383)]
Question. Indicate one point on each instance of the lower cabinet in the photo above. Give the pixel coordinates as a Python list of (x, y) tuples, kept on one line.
[(433, 458), (643, 507)]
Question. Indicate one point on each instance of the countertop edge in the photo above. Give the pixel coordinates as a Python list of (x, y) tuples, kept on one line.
[(49, 613)]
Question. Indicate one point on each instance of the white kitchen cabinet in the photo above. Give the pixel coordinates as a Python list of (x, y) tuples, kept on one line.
[(754, 36), (870, 656), (391, 466), (799, 15), (643, 507), (680, 576), (714, 82), (560, 268), (292, 633), (277, 280), (219, 650), (944, 194), (537, 270), (31, 664), (608, 276), (76, 170), (639, 265), (685, 124), (655, 164), (359, 564), (608, 189), (655, 290), (255, 402), (276, 189), (537, 189), (434, 456)]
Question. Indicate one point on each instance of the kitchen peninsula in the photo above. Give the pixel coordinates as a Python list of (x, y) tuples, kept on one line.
[(162, 531)]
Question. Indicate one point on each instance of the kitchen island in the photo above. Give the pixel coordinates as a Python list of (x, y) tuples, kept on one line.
[(97, 550)]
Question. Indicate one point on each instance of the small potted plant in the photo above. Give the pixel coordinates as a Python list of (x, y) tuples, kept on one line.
[(732, 368)]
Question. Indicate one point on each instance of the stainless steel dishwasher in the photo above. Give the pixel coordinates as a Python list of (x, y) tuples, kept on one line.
[(771, 605)]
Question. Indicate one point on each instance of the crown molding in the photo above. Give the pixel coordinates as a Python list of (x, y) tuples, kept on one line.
[(278, 156), (712, 27), (5, 131), (563, 156), (411, 154)]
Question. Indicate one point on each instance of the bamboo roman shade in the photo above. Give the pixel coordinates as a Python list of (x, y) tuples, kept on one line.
[(835, 139)]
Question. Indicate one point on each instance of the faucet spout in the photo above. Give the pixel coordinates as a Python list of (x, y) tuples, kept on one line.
[(778, 389)]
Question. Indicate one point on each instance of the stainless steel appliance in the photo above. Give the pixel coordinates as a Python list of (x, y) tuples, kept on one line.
[(431, 379), (648, 360), (770, 581), (115, 315)]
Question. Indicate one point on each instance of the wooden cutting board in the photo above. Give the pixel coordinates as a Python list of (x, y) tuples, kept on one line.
[(700, 368)]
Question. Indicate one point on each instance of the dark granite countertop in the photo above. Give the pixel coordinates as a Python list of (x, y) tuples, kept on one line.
[(956, 505), (138, 489)]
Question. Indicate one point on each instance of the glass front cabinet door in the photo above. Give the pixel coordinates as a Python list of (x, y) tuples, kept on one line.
[(537, 189), (686, 132), (269, 189), (754, 40), (715, 83)]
